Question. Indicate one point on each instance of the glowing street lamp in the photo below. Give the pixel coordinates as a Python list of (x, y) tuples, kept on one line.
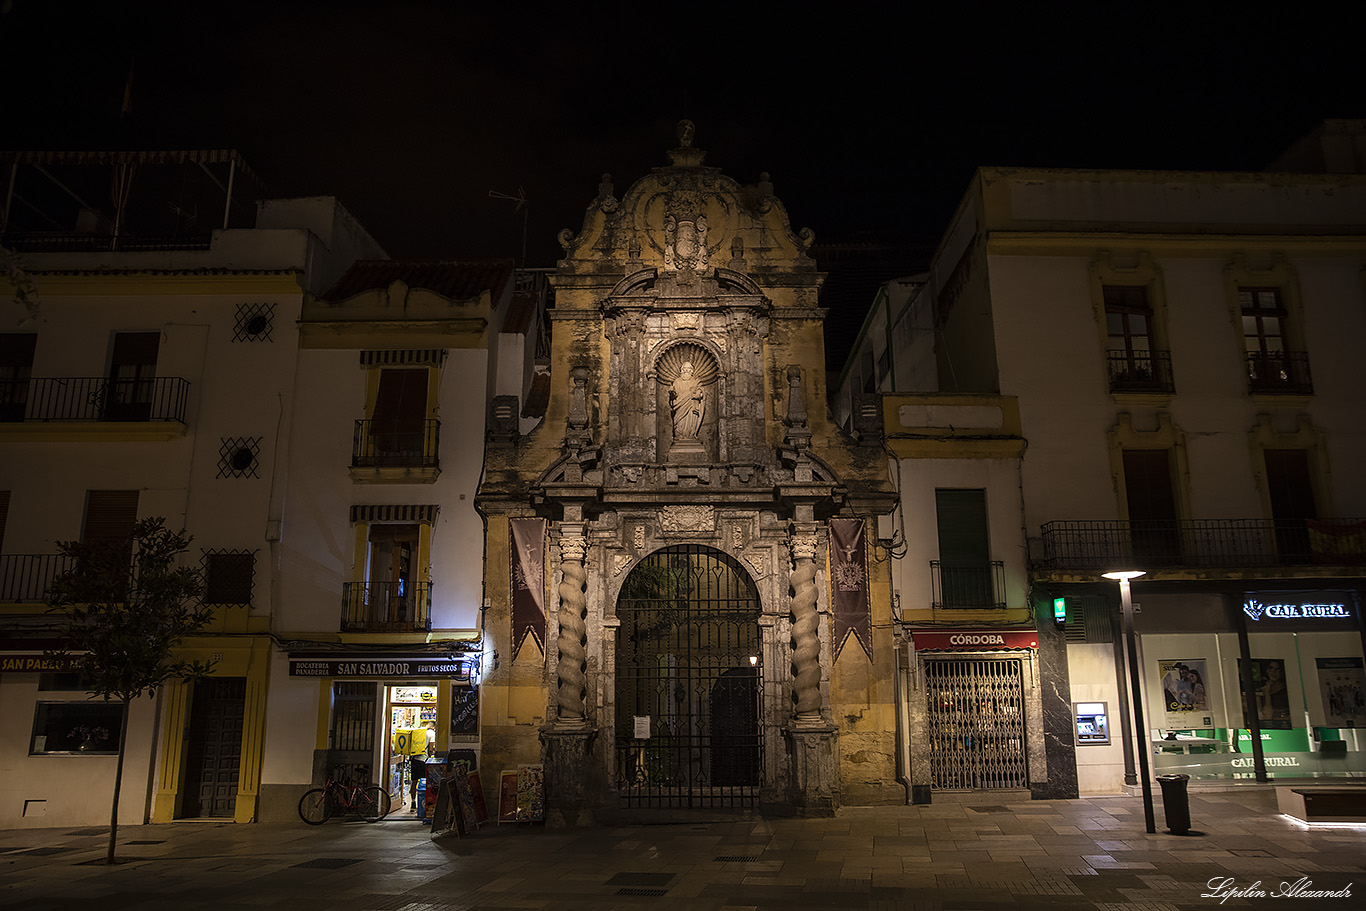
[(1127, 611)]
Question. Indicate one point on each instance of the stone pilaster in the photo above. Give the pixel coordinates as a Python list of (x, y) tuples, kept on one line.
[(568, 790)]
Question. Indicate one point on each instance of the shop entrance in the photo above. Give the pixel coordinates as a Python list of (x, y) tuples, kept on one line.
[(688, 679), (213, 755), (976, 723), (410, 715)]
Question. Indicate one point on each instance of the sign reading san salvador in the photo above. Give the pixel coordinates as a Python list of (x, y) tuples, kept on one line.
[(1296, 610), (975, 640), (377, 667)]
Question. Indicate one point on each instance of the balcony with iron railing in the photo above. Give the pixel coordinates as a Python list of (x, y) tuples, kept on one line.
[(25, 578), (1140, 371), (1279, 372), (1244, 545), (386, 607), (383, 454), (44, 404), (968, 586)]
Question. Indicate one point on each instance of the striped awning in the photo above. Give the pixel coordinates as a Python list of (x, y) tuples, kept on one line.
[(425, 357), (422, 513)]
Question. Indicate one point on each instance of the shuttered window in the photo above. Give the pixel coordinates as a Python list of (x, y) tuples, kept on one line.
[(109, 515), (962, 519)]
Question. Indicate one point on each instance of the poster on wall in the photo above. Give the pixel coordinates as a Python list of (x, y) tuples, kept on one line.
[(1342, 683), (1272, 696), (1185, 699)]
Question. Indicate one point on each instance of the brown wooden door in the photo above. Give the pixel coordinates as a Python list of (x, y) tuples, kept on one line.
[(1151, 498), (214, 751)]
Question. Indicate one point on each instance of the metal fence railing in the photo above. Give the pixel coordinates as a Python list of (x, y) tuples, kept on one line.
[(1140, 371), (94, 398), (391, 607), (967, 586), (26, 577), (1201, 543), (1279, 371), (374, 447)]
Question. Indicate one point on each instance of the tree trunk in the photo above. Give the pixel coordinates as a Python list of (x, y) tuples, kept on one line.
[(118, 783)]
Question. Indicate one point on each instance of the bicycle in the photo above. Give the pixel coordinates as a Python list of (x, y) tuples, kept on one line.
[(338, 798)]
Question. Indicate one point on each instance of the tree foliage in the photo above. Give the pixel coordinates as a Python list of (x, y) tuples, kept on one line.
[(126, 605), (124, 612)]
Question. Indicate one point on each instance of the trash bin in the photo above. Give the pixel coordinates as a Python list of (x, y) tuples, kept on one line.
[(1176, 805)]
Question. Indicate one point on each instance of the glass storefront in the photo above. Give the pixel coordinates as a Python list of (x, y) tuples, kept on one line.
[(1306, 673)]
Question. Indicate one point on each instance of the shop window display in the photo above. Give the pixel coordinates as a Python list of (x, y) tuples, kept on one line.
[(1308, 693)]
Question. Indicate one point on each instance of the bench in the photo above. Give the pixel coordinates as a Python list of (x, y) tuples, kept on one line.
[(1323, 804)]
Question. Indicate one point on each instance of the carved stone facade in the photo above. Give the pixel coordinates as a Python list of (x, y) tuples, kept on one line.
[(681, 428)]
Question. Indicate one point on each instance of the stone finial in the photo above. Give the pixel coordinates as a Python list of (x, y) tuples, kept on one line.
[(605, 187), (765, 184), (686, 131), (577, 432), (685, 156), (796, 397)]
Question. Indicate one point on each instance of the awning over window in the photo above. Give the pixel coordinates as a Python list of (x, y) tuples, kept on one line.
[(423, 513)]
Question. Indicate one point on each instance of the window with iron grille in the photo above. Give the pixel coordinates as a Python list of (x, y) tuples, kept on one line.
[(238, 457), (255, 323), (229, 576)]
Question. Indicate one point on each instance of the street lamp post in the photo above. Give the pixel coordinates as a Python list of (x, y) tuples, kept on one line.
[(1127, 609)]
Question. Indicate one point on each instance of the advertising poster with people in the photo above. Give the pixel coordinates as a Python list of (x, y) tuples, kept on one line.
[(1185, 699), (1342, 682), (1272, 694)]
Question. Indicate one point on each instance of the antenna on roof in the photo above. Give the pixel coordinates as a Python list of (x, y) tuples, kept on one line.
[(522, 207)]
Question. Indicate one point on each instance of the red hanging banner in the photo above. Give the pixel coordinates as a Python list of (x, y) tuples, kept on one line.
[(849, 584), (526, 546)]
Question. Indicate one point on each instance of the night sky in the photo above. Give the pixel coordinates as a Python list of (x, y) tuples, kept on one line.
[(870, 118)]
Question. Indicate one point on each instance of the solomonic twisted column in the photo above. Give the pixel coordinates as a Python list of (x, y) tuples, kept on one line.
[(570, 671), (806, 645)]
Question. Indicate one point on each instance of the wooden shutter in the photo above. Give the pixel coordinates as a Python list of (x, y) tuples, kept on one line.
[(109, 515), (962, 521), (1148, 485), (1289, 485), (4, 515), (135, 348)]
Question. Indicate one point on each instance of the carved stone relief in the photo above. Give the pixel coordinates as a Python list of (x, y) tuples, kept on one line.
[(687, 519)]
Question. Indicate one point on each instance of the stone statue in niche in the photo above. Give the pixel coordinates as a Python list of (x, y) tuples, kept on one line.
[(687, 404), (687, 375)]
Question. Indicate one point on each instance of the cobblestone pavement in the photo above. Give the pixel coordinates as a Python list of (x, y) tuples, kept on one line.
[(961, 853)]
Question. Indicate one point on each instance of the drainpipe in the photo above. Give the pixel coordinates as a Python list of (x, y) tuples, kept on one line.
[(899, 689)]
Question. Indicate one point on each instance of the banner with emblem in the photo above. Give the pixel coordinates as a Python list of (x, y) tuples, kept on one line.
[(526, 549), (849, 584)]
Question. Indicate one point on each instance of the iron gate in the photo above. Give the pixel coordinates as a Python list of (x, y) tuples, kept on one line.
[(976, 715), (688, 682)]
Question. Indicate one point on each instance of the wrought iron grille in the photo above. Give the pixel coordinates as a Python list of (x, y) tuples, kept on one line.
[(976, 715), (1140, 371), (373, 446), (397, 606), (1202, 543), (965, 586), (353, 731), (26, 577), (1279, 371), (688, 682), (86, 398)]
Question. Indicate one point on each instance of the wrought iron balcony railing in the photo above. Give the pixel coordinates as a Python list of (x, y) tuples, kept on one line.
[(94, 398), (374, 447), (26, 577), (386, 607), (1201, 543), (967, 586), (1279, 371), (1140, 371)]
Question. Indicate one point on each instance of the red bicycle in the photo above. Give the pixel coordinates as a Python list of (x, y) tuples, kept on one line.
[(338, 798)]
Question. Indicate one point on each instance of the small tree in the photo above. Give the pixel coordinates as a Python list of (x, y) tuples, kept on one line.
[(124, 614)]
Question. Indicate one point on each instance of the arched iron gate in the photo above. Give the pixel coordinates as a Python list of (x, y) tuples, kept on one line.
[(688, 682)]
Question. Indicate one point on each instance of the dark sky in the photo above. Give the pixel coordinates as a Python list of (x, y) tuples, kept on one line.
[(868, 117)]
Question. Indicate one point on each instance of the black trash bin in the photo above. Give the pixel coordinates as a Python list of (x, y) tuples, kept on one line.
[(1176, 803)]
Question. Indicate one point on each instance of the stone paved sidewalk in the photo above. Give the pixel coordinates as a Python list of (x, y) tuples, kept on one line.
[(963, 852)]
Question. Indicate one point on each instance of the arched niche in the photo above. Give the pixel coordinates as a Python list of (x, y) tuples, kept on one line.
[(687, 395)]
